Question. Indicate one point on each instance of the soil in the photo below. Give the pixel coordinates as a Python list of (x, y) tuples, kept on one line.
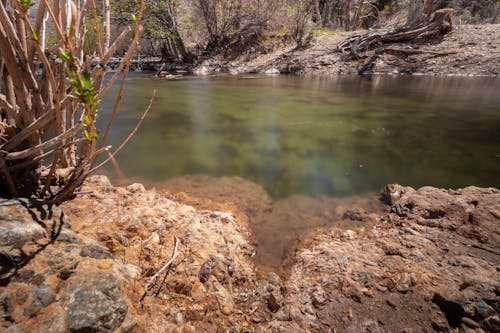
[(468, 50), (423, 260)]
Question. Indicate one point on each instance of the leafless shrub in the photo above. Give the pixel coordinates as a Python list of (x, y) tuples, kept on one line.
[(49, 94)]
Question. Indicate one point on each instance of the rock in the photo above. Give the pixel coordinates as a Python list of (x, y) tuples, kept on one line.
[(16, 233), (179, 319), (470, 323), (96, 252), (100, 181), (201, 70), (94, 303), (19, 328), (6, 306), (391, 193), (349, 234), (492, 323), (274, 279), (206, 269), (272, 71), (223, 296), (404, 283), (68, 237), (61, 263), (273, 301), (318, 297), (124, 241), (136, 188), (41, 297)]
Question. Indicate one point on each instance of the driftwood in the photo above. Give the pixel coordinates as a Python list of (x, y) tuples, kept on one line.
[(438, 25)]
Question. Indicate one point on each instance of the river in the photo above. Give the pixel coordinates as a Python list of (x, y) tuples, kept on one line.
[(333, 136)]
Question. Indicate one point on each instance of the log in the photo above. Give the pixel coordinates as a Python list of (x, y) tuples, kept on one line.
[(438, 25)]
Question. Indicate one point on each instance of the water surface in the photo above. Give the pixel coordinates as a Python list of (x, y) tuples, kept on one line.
[(333, 136)]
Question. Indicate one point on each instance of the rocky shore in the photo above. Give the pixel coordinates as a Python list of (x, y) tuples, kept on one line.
[(468, 50), (126, 259)]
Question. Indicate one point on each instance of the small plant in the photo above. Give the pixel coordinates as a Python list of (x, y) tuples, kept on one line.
[(50, 87)]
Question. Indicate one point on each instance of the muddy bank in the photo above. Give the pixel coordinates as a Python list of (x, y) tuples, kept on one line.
[(469, 50), (428, 262), (277, 226)]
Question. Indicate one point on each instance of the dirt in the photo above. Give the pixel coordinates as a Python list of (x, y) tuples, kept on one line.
[(469, 50), (423, 260), (277, 225)]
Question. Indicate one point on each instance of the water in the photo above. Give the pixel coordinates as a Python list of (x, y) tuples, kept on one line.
[(332, 136)]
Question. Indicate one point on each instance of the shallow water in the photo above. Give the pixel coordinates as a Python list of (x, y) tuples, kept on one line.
[(333, 136)]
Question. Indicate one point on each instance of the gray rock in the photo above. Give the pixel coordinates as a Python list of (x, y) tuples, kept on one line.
[(96, 252), (94, 303), (41, 297), (6, 307), (272, 71), (206, 269), (21, 296), (121, 239), (15, 233), (68, 237), (61, 263)]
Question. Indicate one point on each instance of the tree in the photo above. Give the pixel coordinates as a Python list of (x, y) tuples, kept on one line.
[(419, 11), (234, 24), (161, 28), (50, 92)]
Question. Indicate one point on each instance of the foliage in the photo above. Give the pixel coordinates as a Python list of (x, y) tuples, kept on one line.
[(50, 92)]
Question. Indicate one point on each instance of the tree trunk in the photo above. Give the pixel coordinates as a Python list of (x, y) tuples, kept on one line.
[(419, 11), (317, 13)]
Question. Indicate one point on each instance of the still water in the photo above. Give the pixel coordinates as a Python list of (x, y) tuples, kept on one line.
[(334, 136)]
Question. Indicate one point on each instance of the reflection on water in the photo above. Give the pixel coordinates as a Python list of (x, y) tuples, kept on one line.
[(315, 135)]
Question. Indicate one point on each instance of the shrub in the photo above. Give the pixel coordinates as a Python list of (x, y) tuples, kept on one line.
[(49, 94)]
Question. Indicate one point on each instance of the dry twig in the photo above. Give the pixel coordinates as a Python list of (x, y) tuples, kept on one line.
[(152, 280)]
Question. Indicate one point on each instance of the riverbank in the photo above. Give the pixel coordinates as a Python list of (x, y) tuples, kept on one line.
[(468, 50), (428, 261)]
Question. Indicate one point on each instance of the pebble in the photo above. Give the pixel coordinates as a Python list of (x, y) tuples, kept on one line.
[(470, 323), (179, 320), (136, 188)]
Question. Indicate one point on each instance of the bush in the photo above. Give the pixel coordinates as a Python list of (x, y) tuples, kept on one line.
[(49, 94)]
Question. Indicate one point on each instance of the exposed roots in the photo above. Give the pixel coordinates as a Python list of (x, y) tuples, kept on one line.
[(438, 25)]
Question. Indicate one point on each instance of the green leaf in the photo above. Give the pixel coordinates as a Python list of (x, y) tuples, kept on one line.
[(134, 18), (87, 120), (65, 56), (87, 82), (35, 37), (87, 136), (26, 4)]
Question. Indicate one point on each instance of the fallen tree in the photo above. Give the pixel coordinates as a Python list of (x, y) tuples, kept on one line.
[(439, 24)]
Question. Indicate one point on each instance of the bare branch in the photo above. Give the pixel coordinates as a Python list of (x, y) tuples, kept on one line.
[(152, 280)]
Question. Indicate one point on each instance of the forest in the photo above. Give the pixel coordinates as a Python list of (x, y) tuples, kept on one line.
[(183, 30)]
